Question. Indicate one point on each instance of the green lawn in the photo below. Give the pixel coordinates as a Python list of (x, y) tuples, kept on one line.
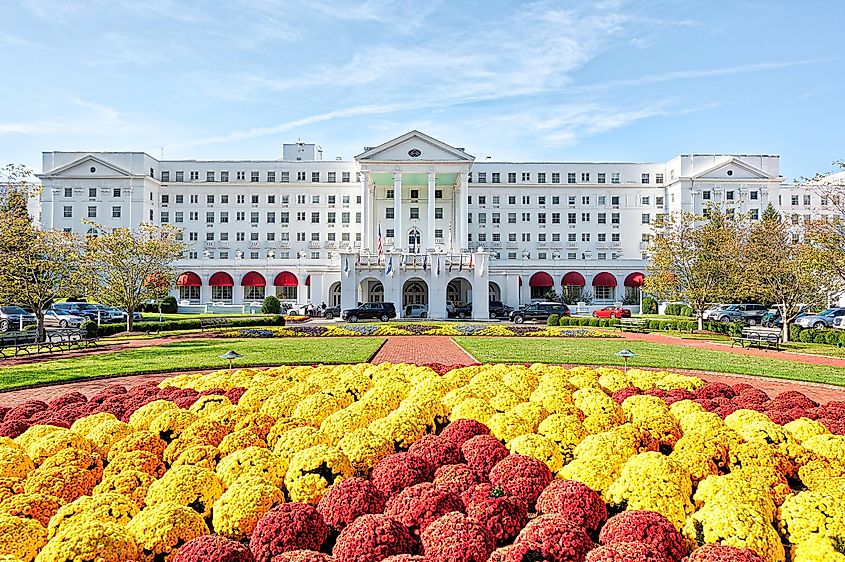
[(153, 316), (193, 354), (603, 352)]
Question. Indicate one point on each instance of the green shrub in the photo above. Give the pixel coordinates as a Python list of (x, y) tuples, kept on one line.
[(820, 337), (831, 337), (807, 336), (553, 320), (169, 305), (613, 321), (673, 309), (271, 305), (89, 328), (649, 305), (795, 332), (564, 321), (193, 324), (686, 311)]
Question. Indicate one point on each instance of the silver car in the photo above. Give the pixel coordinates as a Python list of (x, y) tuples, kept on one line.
[(62, 319), (824, 319), (712, 312)]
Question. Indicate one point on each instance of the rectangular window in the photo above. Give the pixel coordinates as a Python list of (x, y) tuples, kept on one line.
[(331, 218), (195, 176), (495, 177), (209, 176), (438, 212), (92, 212), (729, 195), (570, 199), (482, 218), (601, 218), (497, 218), (755, 195), (180, 176), (388, 233), (526, 199), (253, 217), (332, 199), (271, 177), (511, 218), (526, 217), (388, 212), (794, 199), (285, 177), (806, 200), (585, 199), (555, 199), (224, 176), (645, 201), (194, 216), (571, 218), (541, 177), (315, 199), (415, 194), (165, 177), (240, 216), (315, 177), (180, 216), (585, 217), (511, 177), (315, 218), (658, 178), (271, 217), (601, 200), (331, 177), (388, 194), (526, 237), (601, 237), (555, 177), (541, 200), (755, 214), (344, 177), (541, 218), (585, 176), (526, 176), (614, 200), (585, 237), (284, 218), (645, 178), (224, 216), (116, 212), (614, 177), (92, 192), (165, 216), (482, 199), (614, 218), (601, 177), (555, 218), (253, 199), (646, 218), (570, 177), (511, 199), (300, 176), (482, 177), (344, 218), (659, 201), (615, 237), (706, 195)]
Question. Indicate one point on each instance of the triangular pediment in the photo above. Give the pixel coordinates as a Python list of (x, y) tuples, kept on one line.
[(415, 146), (732, 169), (89, 166)]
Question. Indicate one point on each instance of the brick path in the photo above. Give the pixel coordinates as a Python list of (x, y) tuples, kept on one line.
[(86, 387), (422, 349)]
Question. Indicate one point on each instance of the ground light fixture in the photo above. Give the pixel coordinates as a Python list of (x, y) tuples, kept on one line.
[(231, 355), (626, 354)]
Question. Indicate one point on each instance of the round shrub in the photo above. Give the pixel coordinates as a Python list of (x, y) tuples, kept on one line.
[(575, 501), (271, 305), (724, 553), (302, 556), (459, 431), (503, 516), (399, 471), (213, 548), (348, 500), (90, 541), (455, 537), (418, 506), (290, 526), (458, 477), (162, 528), (521, 476), (625, 552), (436, 450), (372, 538), (482, 452), (647, 527), (550, 537)]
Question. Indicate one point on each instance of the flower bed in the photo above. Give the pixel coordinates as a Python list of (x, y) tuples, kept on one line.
[(360, 463), (493, 330)]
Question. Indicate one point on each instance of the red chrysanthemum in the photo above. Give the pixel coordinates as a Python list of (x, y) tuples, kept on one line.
[(405, 558), (109, 390), (723, 553), (234, 395), (458, 477), (372, 538), (436, 450), (396, 472), (349, 499), (460, 431), (677, 394), (625, 552), (503, 516), (302, 556), (482, 452), (575, 501), (290, 526), (550, 537), (521, 476), (715, 390), (418, 506), (455, 537), (623, 393), (65, 399), (647, 527), (213, 547), (25, 410), (13, 428)]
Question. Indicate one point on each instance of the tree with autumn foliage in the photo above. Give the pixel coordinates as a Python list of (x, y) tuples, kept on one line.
[(127, 267), (826, 232)]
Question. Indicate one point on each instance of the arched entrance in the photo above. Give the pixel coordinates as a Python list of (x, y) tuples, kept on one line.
[(572, 287), (541, 283), (459, 291), (414, 241), (495, 291), (415, 291), (189, 284), (371, 290), (604, 286), (633, 288), (334, 294)]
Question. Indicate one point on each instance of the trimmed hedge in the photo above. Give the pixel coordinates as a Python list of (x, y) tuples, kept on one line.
[(676, 309), (193, 324), (591, 322), (649, 305), (553, 320), (728, 328), (169, 305), (811, 335)]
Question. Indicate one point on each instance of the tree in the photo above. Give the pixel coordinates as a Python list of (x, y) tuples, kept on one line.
[(127, 267), (694, 259), (36, 266), (826, 232), (781, 268)]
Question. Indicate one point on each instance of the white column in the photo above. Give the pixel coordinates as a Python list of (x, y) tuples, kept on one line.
[(398, 233), (348, 282), (431, 203), (480, 287), (366, 219), (462, 243)]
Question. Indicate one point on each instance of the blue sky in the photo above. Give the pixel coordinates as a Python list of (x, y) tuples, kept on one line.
[(600, 80)]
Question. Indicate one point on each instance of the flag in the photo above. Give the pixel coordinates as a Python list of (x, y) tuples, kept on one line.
[(425, 262), (346, 267), (380, 245), (470, 261), (437, 271), (389, 269), (461, 263)]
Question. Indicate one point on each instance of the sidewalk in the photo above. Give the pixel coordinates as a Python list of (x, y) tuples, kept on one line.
[(422, 349)]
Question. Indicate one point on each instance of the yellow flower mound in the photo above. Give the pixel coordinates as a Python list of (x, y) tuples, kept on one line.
[(741, 418), (831, 447), (817, 548), (739, 525), (313, 471), (473, 409), (804, 428), (66, 483), (701, 454), (106, 434), (508, 426), (257, 422), (208, 403), (136, 460), (283, 404), (355, 416), (14, 463), (279, 428), (653, 482), (734, 489), (237, 511), (191, 486), (133, 484), (806, 513), (821, 473), (21, 538), (107, 508), (598, 460), (95, 540), (298, 439), (532, 412), (364, 449), (782, 441), (86, 424), (144, 416), (238, 440), (521, 381), (161, 528), (539, 447), (566, 431), (641, 408), (227, 415), (141, 440), (207, 432), (54, 442), (203, 456), (403, 427), (555, 400), (171, 423), (252, 460), (40, 507)]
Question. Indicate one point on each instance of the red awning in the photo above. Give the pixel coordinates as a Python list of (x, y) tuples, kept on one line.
[(541, 279), (286, 279), (253, 279), (308, 281), (574, 279), (188, 279), (604, 279), (221, 279), (635, 280)]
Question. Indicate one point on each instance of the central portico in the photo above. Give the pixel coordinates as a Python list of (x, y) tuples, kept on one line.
[(414, 198)]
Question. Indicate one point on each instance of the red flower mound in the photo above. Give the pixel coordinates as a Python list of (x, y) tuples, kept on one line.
[(396, 472), (436, 450), (623, 393), (715, 390), (349, 499), (500, 554), (798, 399), (110, 390), (677, 394), (13, 428), (234, 395), (25, 411), (302, 556), (575, 501), (458, 477), (461, 431), (290, 526), (723, 553), (418, 506), (456, 538), (482, 452), (372, 538), (551, 538), (503, 516), (405, 558), (65, 399), (647, 527), (625, 552), (659, 392), (213, 548), (521, 476)]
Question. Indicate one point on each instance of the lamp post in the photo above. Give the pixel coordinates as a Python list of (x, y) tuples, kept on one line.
[(626, 354), (230, 356)]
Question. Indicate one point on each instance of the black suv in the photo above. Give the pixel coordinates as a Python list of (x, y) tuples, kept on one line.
[(498, 309), (538, 311), (383, 311)]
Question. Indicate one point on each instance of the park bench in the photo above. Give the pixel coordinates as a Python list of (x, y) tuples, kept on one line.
[(15, 343), (633, 325), (761, 338), (213, 323), (66, 339)]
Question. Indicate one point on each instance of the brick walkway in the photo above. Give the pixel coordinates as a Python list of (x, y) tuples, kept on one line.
[(87, 387), (422, 349)]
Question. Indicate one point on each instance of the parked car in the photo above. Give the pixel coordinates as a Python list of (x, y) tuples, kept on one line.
[(772, 319), (712, 312), (498, 309), (383, 311), (119, 315), (823, 319), (331, 312), (463, 311), (612, 312), (749, 313), (839, 322), (538, 311), (416, 311), (85, 309), (14, 318), (62, 319)]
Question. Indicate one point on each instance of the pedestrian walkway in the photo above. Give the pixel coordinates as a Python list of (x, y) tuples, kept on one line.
[(423, 349)]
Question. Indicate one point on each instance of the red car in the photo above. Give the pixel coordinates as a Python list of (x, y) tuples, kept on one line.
[(612, 312)]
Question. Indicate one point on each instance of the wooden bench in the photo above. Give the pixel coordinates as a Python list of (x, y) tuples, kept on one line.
[(761, 338), (633, 325), (15, 343), (213, 323)]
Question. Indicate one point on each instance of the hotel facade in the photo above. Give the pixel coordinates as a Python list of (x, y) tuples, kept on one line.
[(411, 221)]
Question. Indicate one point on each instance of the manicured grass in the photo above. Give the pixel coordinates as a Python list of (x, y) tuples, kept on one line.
[(153, 316), (603, 352), (189, 355)]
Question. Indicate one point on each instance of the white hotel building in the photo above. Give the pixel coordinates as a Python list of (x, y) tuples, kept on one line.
[(451, 227)]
